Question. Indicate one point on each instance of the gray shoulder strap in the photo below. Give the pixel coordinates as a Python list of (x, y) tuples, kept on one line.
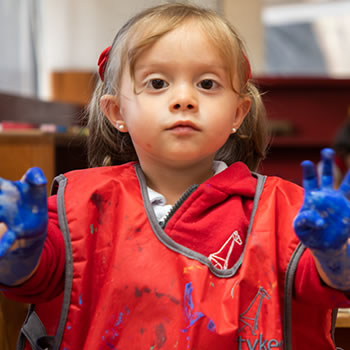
[(288, 295), (33, 330)]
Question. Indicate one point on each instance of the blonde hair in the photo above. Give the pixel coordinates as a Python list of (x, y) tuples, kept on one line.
[(108, 146)]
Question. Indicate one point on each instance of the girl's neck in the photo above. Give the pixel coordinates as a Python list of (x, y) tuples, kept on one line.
[(172, 182)]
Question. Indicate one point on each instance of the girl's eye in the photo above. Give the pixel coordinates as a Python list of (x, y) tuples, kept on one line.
[(157, 84), (208, 84)]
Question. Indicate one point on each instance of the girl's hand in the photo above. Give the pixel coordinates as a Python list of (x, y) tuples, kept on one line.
[(23, 209), (323, 222)]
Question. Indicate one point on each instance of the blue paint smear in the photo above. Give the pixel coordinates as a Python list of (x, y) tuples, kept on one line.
[(111, 346), (211, 326), (120, 320), (190, 318), (80, 300), (188, 303), (69, 327)]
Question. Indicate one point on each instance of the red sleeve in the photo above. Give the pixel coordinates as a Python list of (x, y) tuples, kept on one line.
[(309, 288), (48, 280)]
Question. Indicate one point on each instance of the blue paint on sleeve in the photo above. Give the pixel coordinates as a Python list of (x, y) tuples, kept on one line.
[(190, 317)]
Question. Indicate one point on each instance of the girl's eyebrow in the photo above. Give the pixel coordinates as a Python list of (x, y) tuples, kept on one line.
[(164, 64)]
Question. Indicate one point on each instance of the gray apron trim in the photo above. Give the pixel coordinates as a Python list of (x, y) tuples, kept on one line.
[(33, 330), (171, 244), (288, 294), (68, 282)]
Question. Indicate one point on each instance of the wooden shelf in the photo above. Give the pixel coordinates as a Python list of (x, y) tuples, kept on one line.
[(343, 320)]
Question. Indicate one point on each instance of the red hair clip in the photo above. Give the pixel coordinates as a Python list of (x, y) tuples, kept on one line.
[(102, 61)]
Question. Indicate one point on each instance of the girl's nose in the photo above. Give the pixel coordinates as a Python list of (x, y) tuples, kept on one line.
[(182, 106), (183, 101)]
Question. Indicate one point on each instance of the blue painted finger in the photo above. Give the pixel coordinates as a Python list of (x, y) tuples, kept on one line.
[(345, 186), (327, 168), (6, 242), (309, 176), (35, 176)]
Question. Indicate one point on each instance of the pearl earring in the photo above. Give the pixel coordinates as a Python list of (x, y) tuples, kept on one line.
[(119, 125), (234, 130)]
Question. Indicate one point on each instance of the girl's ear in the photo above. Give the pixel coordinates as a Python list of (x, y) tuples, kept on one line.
[(111, 108), (242, 111)]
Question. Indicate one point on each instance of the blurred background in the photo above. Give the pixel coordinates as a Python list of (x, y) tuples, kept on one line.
[(284, 37)]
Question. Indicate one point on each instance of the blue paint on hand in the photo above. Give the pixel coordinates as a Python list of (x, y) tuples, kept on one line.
[(23, 208), (323, 222)]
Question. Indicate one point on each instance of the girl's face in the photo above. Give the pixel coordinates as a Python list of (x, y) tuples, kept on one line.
[(181, 107)]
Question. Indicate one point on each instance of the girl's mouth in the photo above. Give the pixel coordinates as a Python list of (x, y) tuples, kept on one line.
[(184, 126)]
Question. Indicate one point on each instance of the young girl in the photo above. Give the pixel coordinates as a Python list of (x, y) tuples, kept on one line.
[(184, 247)]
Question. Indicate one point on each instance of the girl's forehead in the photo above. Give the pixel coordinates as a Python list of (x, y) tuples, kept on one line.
[(186, 37)]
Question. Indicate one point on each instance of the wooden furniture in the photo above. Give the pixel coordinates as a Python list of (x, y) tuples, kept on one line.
[(53, 153), (22, 149), (342, 332), (305, 115), (72, 86), (12, 315), (343, 320), (31, 110)]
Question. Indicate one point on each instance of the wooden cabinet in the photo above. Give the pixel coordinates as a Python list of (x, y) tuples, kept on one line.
[(305, 115), (53, 153)]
